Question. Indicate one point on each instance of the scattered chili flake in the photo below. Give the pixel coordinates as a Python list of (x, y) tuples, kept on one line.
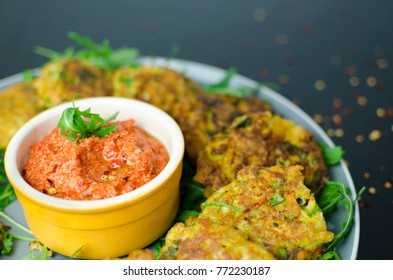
[(351, 70), (347, 112), (264, 73), (382, 63), (354, 81), (336, 59), (339, 132), (336, 104), (296, 101), (330, 132), (359, 138), (337, 119), (365, 204), (283, 79), (371, 81), (381, 112), (362, 100), (380, 85), (290, 60), (375, 135), (366, 175), (319, 85), (318, 118), (259, 14), (372, 190), (379, 51), (307, 29), (282, 39)]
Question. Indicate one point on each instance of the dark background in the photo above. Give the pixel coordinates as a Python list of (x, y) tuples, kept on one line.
[(333, 58)]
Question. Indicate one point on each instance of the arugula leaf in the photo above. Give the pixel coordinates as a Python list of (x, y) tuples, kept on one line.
[(328, 199), (77, 124), (333, 155)]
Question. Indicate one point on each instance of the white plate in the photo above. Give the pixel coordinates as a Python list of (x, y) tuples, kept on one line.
[(206, 74)]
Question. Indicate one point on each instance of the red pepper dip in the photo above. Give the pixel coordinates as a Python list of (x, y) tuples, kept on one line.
[(95, 167)]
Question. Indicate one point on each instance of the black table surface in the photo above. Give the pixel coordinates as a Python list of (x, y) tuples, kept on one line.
[(332, 58)]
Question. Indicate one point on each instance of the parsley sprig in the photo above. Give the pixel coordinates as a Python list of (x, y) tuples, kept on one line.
[(77, 124)]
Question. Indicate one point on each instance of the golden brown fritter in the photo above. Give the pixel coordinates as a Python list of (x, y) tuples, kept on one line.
[(142, 254), (274, 209), (261, 139), (160, 86), (168, 90), (199, 114), (201, 239), (60, 80), (19, 103)]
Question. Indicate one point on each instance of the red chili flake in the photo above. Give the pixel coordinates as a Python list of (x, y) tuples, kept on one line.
[(336, 104), (308, 29), (351, 70), (290, 60), (380, 85), (264, 73)]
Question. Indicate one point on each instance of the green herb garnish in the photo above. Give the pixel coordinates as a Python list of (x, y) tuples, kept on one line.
[(223, 86), (100, 55), (6, 240), (276, 199), (333, 155), (7, 194), (328, 199), (77, 124)]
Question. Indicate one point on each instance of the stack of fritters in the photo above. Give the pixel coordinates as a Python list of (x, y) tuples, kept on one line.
[(260, 139), (251, 162), (268, 207)]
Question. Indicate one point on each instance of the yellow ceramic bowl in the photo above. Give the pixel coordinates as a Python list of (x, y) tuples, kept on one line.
[(104, 228)]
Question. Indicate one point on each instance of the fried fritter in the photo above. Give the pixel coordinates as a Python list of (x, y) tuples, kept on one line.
[(199, 114), (170, 91), (274, 209), (141, 254), (61, 79), (262, 139), (201, 239), (160, 86), (19, 103)]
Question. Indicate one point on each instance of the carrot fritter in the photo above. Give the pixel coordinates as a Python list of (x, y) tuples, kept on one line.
[(261, 139), (60, 80), (19, 103), (202, 239), (274, 209)]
